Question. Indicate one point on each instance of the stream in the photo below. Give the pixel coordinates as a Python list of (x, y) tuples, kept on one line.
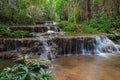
[(87, 68)]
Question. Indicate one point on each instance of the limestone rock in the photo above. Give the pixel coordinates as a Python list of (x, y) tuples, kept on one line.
[(9, 55), (2, 47), (24, 50)]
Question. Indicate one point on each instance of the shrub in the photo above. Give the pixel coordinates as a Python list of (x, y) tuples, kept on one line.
[(62, 24), (71, 27), (4, 30), (98, 24), (22, 59), (44, 75), (115, 22), (89, 30), (31, 62), (68, 26), (24, 72), (101, 23), (20, 33)]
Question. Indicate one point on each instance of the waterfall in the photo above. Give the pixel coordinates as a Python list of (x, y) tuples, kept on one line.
[(49, 30), (53, 43), (46, 50), (12, 46), (53, 30), (87, 45), (54, 23), (83, 46), (105, 45), (33, 30)]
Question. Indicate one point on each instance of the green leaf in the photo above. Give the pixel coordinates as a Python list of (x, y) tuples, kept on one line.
[(23, 77), (32, 76)]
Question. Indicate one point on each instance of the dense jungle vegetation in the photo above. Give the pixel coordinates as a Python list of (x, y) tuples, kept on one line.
[(83, 16)]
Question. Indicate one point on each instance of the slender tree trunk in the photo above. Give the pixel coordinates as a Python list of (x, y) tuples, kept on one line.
[(68, 10), (103, 4), (89, 9)]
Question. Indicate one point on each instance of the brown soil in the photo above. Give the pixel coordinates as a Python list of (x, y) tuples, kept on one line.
[(87, 68), (4, 63)]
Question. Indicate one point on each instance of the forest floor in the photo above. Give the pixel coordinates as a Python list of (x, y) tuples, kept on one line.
[(87, 68)]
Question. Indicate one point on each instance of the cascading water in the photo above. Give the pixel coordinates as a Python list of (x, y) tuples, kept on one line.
[(12, 46), (83, 49), (33, 30), (87, 45), (79, 45), (105, 45), (46, 50), (49, 30), (54, 30)]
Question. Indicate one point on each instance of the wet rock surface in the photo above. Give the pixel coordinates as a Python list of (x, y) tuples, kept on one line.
[(24, 50), (76, 45), (2, 47), (48, 41), (36, 28), (8, 55), (60, 45)]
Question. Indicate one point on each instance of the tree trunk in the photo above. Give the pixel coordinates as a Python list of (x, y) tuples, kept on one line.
[(88, 9), (68, 10)]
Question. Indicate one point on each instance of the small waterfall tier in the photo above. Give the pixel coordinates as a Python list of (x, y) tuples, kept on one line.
[(86, 45), (61, 45), (38, 28)]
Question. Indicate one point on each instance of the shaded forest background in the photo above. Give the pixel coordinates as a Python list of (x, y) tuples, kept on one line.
[(85, 16)]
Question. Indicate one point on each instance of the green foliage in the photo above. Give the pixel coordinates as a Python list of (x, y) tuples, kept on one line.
[(23, 17), (22, 59), (71, 27), (37, 63), (68, 26), (100, 23), (24, 11), (31, 11), (60, 9), (44, 74), (34, 63), (62, 24), (21, 72), (74, 27), (24, 72), (115, 22), (14, 12), (4, 30), (20, 33), (89, 30)]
